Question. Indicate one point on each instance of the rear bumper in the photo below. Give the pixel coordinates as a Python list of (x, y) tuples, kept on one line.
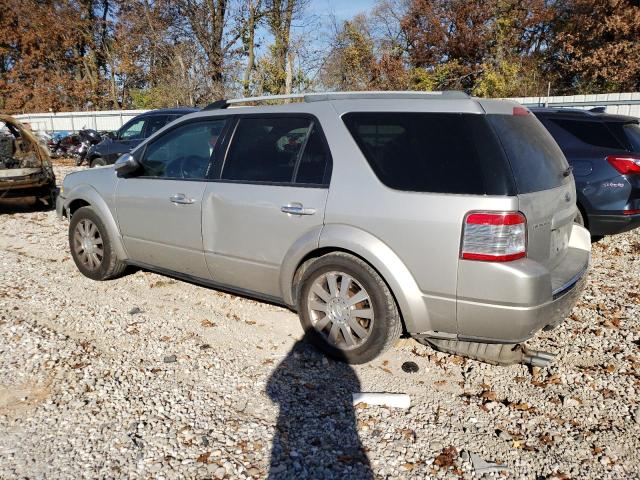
[(612, 224), (510, 302)]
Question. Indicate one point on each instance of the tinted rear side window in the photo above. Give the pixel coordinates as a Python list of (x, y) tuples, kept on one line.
[(593, 133), (628, 133), (536, 160), (274, 149), (432, 152)]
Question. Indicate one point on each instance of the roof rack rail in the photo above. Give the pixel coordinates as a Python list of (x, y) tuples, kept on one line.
[(324, 96), (217, 105)]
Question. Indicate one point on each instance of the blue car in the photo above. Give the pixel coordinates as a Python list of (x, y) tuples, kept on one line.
[(131, 134), (604, 151)]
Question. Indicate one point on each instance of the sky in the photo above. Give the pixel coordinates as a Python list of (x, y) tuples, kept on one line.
[(343, 9)]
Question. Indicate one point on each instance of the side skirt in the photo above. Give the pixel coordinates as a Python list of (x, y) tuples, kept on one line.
[(212, 284)]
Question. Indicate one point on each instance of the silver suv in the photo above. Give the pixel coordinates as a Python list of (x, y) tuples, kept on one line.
[(444, 216)]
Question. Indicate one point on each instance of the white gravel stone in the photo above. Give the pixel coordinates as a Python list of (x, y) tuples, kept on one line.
[(84, 390)]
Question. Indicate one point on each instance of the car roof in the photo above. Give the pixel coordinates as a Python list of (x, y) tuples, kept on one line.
[(343, 102), (177, 110), (576, 113)]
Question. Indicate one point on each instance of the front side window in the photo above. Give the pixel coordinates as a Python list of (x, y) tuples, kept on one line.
[(275, 150), (155, 123), (133, 130), (186, 152)]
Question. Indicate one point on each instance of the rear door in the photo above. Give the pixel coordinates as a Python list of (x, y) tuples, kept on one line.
[(546, 190), (271, 192)]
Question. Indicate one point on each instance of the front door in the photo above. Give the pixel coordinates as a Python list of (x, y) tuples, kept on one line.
[(159, 210), (271, 192)]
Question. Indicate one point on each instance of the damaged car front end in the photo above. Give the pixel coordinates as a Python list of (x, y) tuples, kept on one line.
[(25, 167)]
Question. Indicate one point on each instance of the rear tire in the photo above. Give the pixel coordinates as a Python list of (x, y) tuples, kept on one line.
[(98, 162), (91, 247), (347, 309)]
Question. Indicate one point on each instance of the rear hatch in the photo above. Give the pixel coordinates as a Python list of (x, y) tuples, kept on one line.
[(546, 191)]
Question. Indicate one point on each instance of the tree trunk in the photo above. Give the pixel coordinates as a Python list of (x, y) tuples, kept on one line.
[(251, 33)]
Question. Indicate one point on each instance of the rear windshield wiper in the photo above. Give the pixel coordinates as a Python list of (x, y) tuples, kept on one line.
[(568, 171)]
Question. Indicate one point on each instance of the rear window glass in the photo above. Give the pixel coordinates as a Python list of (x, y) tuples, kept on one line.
[(628, 133), (432, 152), (536, 160), (593, 133), (632, 131)]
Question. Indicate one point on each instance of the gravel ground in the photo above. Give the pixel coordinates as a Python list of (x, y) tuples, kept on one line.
[(151, 377)]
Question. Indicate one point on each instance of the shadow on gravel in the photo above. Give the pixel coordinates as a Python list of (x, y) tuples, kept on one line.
[(316, 435), (22, 205)]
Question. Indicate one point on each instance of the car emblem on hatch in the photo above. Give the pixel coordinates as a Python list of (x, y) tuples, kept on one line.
[(567, 197)]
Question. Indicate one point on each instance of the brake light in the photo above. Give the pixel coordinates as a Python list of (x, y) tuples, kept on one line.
[(494, 236), (520, 111), (631, 212), (625, 164)]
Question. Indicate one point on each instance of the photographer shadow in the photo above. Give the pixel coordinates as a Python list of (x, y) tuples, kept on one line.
[(316, 434)]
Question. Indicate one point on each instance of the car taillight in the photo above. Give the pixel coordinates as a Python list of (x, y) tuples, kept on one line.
[(521, 111), (625, 164), (494, 236)]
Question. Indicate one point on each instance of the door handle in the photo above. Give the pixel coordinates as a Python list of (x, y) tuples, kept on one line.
[(297, 209), (181, 199)]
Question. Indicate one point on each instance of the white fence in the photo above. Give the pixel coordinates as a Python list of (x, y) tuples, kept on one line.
[(73, 121), (620, 103)]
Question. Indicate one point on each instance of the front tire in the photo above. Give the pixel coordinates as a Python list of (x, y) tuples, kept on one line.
[(347, 309), (91, 247), (98, 162)]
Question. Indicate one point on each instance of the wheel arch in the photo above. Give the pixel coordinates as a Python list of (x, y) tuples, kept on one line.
[(361, 244), (87, 196)]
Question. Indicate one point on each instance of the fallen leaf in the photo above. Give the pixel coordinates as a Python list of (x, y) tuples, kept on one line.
[(207, 323), (203, 457), (447, 458), (489, 395)]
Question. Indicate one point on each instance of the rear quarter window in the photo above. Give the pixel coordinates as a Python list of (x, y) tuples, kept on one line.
[(432, 152), (590, 132), (535, 157), (628, 133)]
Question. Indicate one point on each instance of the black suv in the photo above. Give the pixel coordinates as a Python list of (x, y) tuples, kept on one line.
[(604, 151), (132, 133)]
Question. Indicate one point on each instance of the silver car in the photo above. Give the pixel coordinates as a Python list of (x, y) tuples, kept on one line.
[(437, 215)]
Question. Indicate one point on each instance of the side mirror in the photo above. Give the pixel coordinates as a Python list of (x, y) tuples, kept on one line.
[(126, 164)]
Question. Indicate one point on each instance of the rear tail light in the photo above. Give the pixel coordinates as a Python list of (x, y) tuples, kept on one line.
[(625, 164), (494, 236), (521, 111)]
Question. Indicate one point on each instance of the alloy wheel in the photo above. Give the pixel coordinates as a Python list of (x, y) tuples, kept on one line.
[(341, 310), (88, 245)]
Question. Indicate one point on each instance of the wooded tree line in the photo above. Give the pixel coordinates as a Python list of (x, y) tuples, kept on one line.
[(108, 54)]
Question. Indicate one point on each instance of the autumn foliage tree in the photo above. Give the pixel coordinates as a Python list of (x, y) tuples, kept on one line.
[(58, 55)]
